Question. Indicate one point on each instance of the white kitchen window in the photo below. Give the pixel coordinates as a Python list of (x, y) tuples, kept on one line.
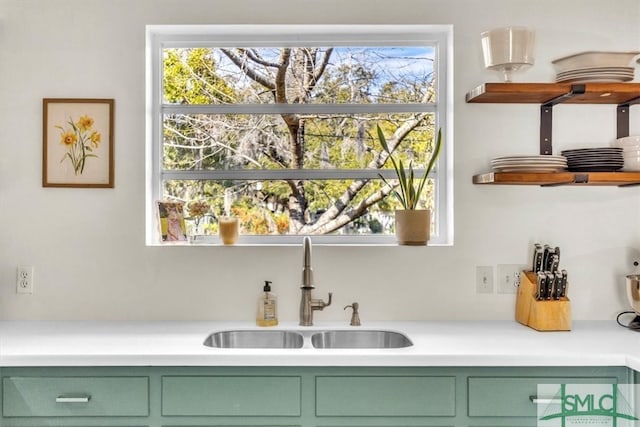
[(277, 125)]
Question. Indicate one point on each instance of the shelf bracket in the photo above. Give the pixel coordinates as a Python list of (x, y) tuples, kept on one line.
[(546, 117), (578, 178), (623, 117), (631, 184)]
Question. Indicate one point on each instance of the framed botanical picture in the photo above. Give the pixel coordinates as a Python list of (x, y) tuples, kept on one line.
[(77, 143), (171, 222)]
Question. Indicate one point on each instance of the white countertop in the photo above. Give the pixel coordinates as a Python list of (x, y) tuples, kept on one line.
[(436, 343)]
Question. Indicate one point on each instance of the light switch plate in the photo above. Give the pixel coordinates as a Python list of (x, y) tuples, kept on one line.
[(484, 279)]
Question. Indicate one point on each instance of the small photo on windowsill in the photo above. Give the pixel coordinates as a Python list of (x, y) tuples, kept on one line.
[(171, 222)]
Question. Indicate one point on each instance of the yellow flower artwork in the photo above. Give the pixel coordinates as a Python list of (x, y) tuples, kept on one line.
[(78, 143), (80, 139)]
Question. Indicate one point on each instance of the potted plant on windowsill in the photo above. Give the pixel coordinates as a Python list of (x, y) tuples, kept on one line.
[(413, 225)]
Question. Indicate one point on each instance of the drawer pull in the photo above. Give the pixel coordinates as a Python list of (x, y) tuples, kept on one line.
[(73, 399), (544, 400)]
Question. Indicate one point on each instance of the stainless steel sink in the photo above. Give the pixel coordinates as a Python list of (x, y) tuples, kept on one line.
[(360, 339), (255, 339)]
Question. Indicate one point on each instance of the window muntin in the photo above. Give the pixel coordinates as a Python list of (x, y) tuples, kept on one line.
[(334, 157)]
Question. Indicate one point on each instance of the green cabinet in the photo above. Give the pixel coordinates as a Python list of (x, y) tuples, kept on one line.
[(515, 397), (283, 396), (510, 398), (222, 395), (385, 396), (90, 396)]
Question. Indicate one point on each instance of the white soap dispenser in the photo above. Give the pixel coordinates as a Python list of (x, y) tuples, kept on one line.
[(267, 307)]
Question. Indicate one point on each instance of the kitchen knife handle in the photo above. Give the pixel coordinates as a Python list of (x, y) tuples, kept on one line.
[(540, 279), (563, 285), (73, 399), (548, 286), (546, 258), (537, 258), (544, 400)]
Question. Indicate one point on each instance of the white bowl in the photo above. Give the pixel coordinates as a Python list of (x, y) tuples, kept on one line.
[(631, 164), (635, 154), (627, 141), (593, 59)]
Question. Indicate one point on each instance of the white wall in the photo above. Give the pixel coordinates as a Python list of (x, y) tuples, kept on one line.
[(88, 248)]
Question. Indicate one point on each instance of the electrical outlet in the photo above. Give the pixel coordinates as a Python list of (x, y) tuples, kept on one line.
[(24, 279), (484, 280), (509, 277)]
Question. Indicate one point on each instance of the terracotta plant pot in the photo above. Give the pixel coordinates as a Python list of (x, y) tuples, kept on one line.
[(413, 227)]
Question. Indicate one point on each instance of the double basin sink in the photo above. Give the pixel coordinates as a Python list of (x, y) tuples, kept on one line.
[(361, 338)]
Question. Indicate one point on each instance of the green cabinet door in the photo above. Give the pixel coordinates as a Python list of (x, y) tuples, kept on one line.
[(385, 396), (516, 396), (231, 396), (75, 396)]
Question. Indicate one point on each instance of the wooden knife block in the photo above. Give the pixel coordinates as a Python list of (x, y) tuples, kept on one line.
[(545, 315)]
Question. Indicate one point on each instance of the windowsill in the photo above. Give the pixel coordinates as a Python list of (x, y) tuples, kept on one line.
[(214, 244)]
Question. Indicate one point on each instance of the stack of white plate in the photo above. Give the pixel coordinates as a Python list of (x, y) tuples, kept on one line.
[(596, 74), (630, 152), (593, 67), (541, 164), (605, 159)]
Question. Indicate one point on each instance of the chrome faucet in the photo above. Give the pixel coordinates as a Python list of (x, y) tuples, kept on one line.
[(307, 303)]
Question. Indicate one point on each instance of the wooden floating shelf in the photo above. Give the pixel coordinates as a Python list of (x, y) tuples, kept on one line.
[(540, 93), (547, 95), (621, 179)]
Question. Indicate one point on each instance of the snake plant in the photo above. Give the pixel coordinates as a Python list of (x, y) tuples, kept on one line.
[(409, 186)]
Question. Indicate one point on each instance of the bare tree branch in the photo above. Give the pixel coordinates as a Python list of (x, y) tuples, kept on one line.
[(320, 70), (255, 57), (281, 75), (332, 221), (251, 72)]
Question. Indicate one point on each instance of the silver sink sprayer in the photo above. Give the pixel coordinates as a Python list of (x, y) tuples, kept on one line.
[(307, 303)]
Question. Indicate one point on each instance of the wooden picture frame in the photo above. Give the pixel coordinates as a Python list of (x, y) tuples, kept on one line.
[(77, 149)]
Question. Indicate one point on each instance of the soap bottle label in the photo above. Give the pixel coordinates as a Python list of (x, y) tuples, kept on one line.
[(269, 310)]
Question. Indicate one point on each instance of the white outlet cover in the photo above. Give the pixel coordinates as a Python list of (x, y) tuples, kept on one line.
[(24, 279), (509, 277)]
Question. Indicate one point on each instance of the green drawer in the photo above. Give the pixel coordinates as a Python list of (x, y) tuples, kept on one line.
[(75, 396), (511, 396), (393, 396), (231, 396)]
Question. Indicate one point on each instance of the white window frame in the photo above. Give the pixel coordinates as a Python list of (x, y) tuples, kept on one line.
[(163, 36)]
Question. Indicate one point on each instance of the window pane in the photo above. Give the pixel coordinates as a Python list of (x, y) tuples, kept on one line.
[(264, 208), (299, 75), (262, 141)]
